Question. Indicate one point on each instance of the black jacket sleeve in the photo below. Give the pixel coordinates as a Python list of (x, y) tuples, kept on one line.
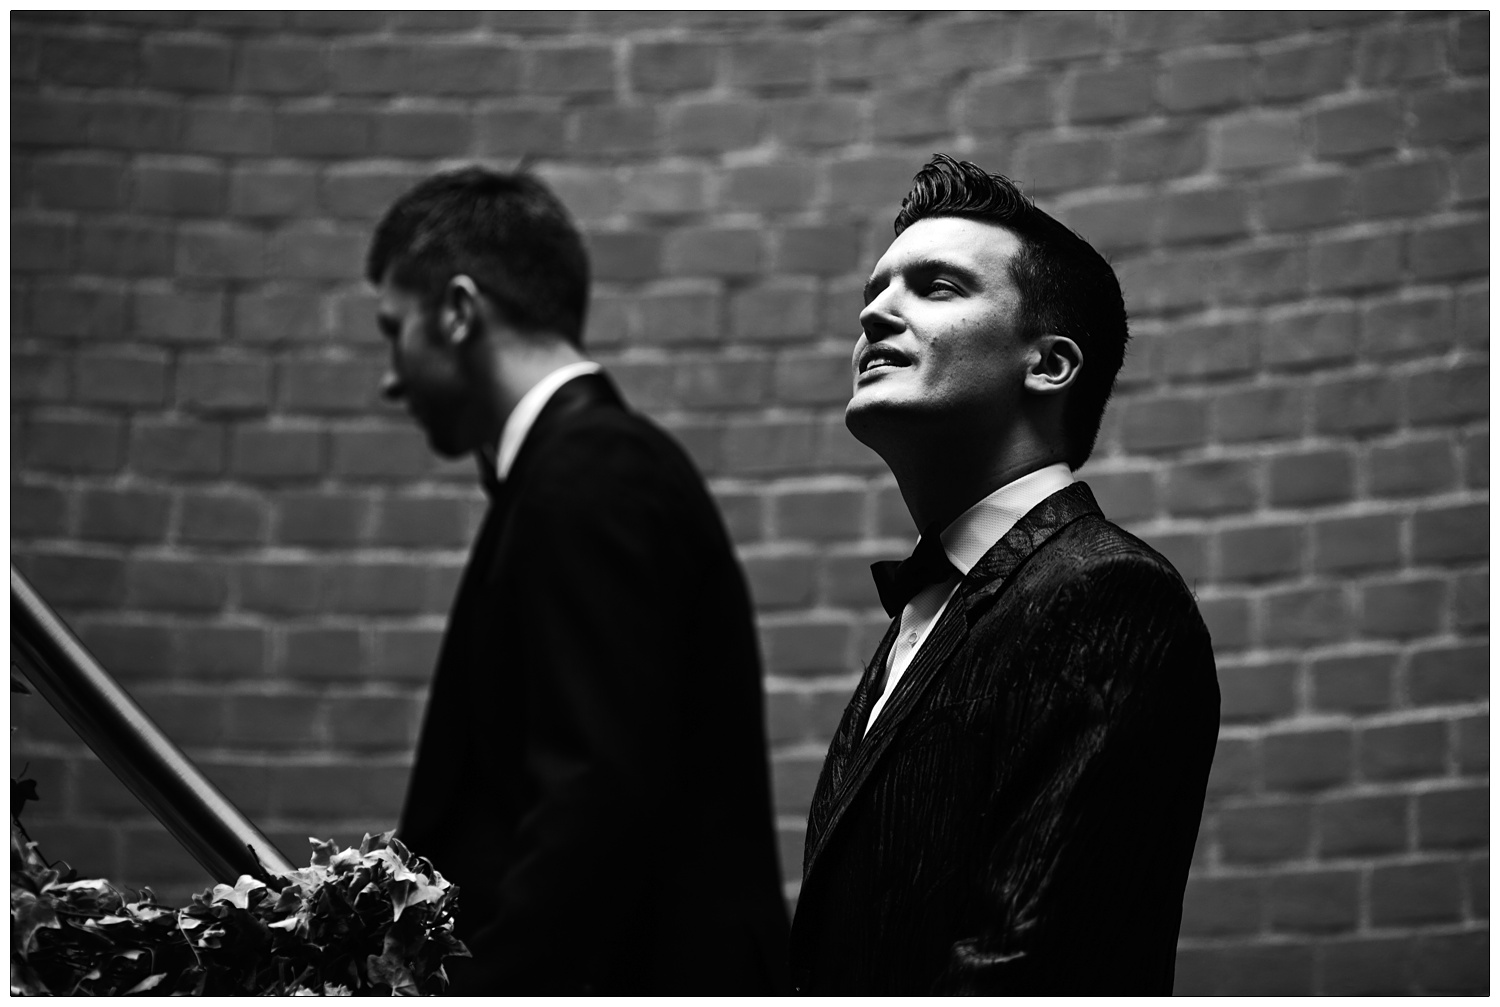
[(1088, 853)]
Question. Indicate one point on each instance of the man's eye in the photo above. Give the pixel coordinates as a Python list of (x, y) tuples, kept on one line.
[(941, 287)]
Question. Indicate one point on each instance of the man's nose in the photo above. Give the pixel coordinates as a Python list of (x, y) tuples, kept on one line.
[(390, 387), (878, 319)]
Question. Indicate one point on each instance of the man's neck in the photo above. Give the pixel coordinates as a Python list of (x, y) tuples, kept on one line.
[(946, 479)]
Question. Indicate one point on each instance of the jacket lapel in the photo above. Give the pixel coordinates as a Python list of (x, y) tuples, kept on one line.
[(857, 756)]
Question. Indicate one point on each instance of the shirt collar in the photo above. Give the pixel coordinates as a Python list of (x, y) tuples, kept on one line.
[(977, 529), (518, 424)]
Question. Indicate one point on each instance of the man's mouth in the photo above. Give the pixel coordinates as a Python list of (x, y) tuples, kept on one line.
[(880, 357)]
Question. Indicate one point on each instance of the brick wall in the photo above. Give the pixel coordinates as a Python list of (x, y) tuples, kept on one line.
[(205, 484)]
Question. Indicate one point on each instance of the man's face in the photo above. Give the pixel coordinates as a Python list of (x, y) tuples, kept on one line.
[(940, 342), (426, 370)]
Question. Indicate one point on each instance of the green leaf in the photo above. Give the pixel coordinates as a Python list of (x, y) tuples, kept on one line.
[(148, 983), (238, 895)]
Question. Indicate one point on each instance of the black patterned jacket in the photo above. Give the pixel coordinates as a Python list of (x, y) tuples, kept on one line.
[(1022, 815)]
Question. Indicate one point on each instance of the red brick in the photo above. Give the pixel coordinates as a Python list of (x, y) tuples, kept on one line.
[(910, 113), (423, 522), (178, 315), (1451, 534), (322, 132), (74, 445), (1161, 152), (339, 791), (121, 378), (1471, 601), (406, 654), (506, 132), (793, 778), (281, 66), (187, 64), (1356, 543), (102, 61), (1218, 907), (1110, 223), (1412, 325), (177, 585), (1403, 751), (128, 649), (321, 653), (1403, 610), (329, 386), (771, 62), (1012, 102), (1265, 833), (82, 311), (302, 252), (615, 130), (1452, 963), (364, 588), (1450, 251), (125, 249), (125, 515), (1208, 350), (1392, 55), (273, 191), (1211, 487), (1261, 413), (1362, 826), (1409, 894), (228, 126), (71, 580), (1356, 263), (40, 378), (1258, 140), (1047, 164), (1306, 902), (768, 188), (364, 723), (1356, 406), (1475, 450), (38, 512), (76, 184), (222, 518), (1307, 760), (806, 647), (1061, 35), (272, 722), (780, 580), (666, 67), (290, 587), (1303, 337), (1365, 966), (775, 312), (713, 127), (1471, 177), (270, 453), (50, 121), (217, 251), (379, 453), (322, 518), (625, 255), (1401, 189), (1257, 692), (172, 447), (743, 513), (1448, 674), (1228, 622), (426, 133), (1355, 684), (1311, 478), (1453, 819), (570, 69), (1164, 424), (1294, 204), (1200, 82), (1261, 552), (1356, 126), (667, 191), (223, 384), (712, 252), (41, 246), (1443, 116), (799, 123)]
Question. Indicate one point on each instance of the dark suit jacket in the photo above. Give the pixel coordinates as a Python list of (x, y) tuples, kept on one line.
[(1021, 816), (592, 771)]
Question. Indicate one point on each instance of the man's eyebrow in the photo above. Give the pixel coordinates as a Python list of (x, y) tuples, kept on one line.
[(924, 266)]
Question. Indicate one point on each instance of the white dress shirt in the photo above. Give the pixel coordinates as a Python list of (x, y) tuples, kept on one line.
[(518, 424), (965, 541)]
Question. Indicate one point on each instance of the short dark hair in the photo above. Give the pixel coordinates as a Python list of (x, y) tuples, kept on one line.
[(507, 232), (1066, 286)]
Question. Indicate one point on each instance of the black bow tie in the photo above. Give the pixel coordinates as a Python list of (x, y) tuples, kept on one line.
[(899, 583)]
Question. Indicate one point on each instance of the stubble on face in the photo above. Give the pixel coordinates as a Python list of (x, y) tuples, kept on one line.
[(940, 352)]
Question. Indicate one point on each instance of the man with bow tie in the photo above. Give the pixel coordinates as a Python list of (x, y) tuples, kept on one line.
[(592, 770), (1011, 801)]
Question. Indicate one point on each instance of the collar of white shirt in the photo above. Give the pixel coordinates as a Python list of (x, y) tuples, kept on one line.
[(977, 529), (518, 424)]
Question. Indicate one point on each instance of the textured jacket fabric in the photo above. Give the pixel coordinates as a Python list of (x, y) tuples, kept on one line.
[(1022, 815), (592, 771)]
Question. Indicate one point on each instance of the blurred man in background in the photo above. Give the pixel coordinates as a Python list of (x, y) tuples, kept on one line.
[(592, 770), (1011, 801)]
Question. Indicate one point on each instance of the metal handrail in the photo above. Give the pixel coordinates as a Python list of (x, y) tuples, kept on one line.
[(126, 740)]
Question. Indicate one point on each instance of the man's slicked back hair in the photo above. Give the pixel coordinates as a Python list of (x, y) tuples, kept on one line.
[(1066, 287), (506, 232)]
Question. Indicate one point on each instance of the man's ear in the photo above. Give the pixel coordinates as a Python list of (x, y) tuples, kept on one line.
[(1054, 364), (461, 311)]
